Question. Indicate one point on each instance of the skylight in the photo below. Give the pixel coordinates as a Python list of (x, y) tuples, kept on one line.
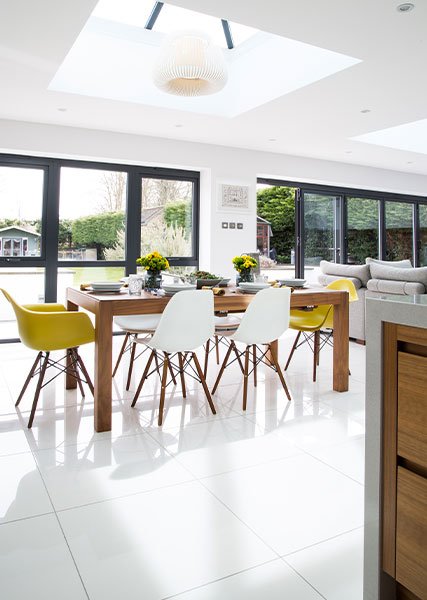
[(170, 19), (411, 137), (115, 55)]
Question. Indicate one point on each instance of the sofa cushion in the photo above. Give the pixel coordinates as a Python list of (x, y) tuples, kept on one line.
[(417, 275), (327, 279), (402, 264), (391, 286), (359, 271)]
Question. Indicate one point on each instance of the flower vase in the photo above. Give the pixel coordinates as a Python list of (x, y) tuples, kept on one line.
[(153, 280), (244, 276)]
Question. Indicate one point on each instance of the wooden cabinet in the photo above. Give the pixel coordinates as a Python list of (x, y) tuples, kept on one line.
[(404, 461), (411, 532)]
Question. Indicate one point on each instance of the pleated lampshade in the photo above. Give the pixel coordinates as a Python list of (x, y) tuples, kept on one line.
[(190, 64)]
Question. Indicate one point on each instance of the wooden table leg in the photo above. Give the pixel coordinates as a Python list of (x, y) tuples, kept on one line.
[(70, 381), (103, 366), (341, 345)]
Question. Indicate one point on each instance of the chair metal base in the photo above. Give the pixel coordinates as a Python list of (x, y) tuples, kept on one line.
[(255, 355), (74, 364), (168, 366)]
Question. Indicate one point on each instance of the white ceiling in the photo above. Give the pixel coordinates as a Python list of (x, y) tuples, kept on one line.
[(317, 121)]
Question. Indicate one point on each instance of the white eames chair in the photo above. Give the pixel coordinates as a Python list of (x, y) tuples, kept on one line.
[(186, 324), (134, 326), (265, 320)]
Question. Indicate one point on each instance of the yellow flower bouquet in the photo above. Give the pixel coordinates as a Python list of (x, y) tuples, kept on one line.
[(153, 263), (244, 265)]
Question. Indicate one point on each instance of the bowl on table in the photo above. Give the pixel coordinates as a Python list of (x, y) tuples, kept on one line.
[(292, 282), (224, 282), (172, 288), (106, 286), (253, 287), (207, 282)]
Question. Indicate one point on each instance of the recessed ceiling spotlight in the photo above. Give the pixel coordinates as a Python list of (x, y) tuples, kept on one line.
[(272, 139), (410, 162), (365, 110), (179, 125), (405, 7), (62, 109), (349, 151)]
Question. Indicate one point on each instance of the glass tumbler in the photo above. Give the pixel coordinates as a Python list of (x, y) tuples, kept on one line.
[(135, 285)]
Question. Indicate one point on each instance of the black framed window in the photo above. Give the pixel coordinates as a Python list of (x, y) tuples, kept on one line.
[(63, 222), (346, 225)]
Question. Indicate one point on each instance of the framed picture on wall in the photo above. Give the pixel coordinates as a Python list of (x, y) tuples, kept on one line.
[(233, 197)]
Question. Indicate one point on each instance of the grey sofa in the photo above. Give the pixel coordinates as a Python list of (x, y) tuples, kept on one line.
[(375, 278)]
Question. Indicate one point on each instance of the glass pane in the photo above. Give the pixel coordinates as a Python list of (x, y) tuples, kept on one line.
[(21, 205), (399, 235), (321, 232), (26, 285), (74, 276), (92, 214), (422, 250), (167, 217), (276, 230), (362, 228)]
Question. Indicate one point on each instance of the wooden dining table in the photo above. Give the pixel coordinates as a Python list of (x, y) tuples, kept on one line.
[(106, 306)]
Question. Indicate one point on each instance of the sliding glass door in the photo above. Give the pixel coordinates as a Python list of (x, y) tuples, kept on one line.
[(322, 231)]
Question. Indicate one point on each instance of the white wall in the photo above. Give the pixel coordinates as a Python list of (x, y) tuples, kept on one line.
[(217, 164)]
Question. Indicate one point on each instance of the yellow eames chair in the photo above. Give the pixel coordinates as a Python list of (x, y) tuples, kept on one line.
[(48, 327), (309, 323)]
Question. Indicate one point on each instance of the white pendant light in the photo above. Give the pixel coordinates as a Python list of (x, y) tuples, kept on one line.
[(190, 65)]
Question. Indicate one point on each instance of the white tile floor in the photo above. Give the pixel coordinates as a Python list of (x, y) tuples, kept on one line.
[(262, 504)]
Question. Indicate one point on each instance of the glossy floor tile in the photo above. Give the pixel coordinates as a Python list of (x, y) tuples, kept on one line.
[(157, 544), (241, 504), (272, 581), (23, 493), (291, 503), (35, 562), (333, 567), (82, 474)]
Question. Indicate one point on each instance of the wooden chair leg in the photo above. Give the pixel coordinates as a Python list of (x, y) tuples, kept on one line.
[(132, 358), (38, 389), (315, 354), (281, 377), (29, 377), (163, 390), (84, 371), (181, 372), (122, 351), (239, 360), (293, 350), (245, 378), (254, 359), (203, 381), (171, 372), (221, 371), (156, 358), (205, 367), (217, 349), (144, 377), (73, 365)]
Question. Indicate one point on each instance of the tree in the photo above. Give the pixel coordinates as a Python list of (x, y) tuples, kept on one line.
[(114, 190), (277, 205), (178, 214), (99, 231)]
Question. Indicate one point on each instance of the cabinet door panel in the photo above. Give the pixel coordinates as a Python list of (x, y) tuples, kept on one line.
[(411, 533), (412, 408)]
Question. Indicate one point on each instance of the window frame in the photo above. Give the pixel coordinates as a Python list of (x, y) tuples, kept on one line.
[(344, 193), (49, 259)]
